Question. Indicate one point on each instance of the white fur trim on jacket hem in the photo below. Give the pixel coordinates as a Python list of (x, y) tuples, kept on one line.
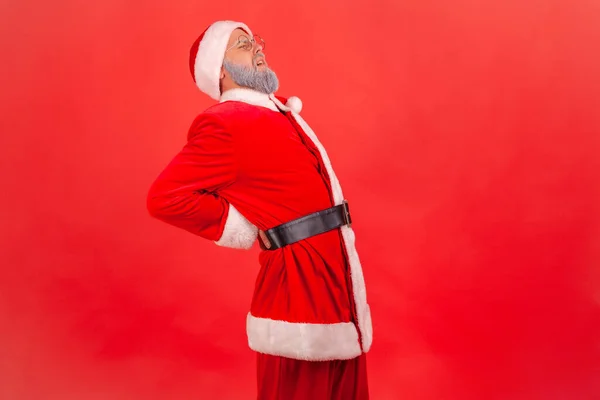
[(303, 341), (239, 233)]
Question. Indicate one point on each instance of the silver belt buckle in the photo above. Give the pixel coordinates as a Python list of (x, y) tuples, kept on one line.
[(347, 213)]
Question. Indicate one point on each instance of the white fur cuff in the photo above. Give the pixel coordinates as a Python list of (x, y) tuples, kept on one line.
[(238, 233)]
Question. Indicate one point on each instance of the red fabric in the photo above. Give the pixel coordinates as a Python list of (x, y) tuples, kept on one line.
[(194, 53), (282, 378), (182, 195), (257, 160)]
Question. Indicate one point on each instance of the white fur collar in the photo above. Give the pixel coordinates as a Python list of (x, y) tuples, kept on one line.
[(249, 96), (263, 100)]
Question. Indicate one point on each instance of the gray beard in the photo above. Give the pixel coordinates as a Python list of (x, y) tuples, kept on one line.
[(262, 81)]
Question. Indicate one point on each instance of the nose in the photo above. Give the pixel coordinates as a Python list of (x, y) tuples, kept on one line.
[(257, 48)]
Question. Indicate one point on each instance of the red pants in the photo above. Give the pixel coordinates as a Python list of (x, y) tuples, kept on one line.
[(282, 378)]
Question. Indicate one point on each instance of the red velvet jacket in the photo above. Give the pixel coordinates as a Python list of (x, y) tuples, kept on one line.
[(252, 163)]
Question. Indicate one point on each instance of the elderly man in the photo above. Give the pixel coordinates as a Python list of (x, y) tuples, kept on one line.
[(253, 170)]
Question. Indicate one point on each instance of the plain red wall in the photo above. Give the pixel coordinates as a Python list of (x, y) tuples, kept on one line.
[(465, 134)]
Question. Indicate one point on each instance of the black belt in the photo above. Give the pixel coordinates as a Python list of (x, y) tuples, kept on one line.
[(305, 227)]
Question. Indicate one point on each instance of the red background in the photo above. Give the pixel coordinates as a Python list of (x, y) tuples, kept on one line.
[(465, 135)]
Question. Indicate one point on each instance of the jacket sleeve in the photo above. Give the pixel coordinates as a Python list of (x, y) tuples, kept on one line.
[(186, 193)]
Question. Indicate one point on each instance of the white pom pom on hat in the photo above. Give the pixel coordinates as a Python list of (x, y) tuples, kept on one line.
[(295, 104)]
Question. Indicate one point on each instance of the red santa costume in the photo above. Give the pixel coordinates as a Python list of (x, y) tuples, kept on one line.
[(252, 163)]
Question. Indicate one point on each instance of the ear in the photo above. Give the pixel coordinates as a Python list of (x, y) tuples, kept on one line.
[(222, 73)]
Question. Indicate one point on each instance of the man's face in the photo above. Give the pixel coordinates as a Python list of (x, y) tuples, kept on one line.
[(245, 66), (242, 50)]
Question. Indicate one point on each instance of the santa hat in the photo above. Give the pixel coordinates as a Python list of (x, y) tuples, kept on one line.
[(207, 54)]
